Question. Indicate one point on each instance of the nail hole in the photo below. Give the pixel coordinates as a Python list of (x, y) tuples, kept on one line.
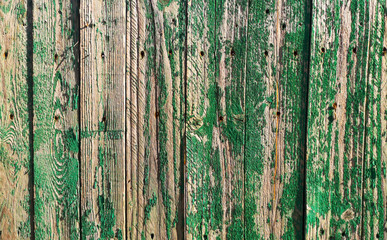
[(174, 21), (102, 55), (377, 235), (300, 24), (334, 105), (331, 238), (152, 235), (157, 114), (56, 57), (323, 50), (384, 51), (11, 116), (142, 54), (60, 12), (266, 53), (354, 50), (283, 26), (201, 53), (170, 52), (267, 11), (343, 234), (103, 119), (220, 118), (205, 236), (322, 231), (56, 117), (6, 54), (278, 114), (295, 53), (236, 25), (232, 52)]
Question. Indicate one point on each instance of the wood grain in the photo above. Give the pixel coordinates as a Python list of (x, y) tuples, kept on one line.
[(155, 112), (215, 119), (15, 171), (276, 80), (344, 88), (374, 225), (55, 105), (102, 118), (204, 211)]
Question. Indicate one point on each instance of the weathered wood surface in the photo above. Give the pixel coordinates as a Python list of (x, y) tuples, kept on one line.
[(193, 119), (346, 166), (15, 167), (277, 76), (155, 119), (55, 112), (102, 118)]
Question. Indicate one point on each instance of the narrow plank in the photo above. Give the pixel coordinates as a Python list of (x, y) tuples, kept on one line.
[(102, 118), (203, 206), (375, 150), (276, 69), (155, 114), (340, 52), (56, 131), (15, 171)]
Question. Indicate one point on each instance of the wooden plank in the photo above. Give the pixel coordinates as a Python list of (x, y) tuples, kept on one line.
[(227, 167), (216, 52), (15, 168), (55, 103), (201, 117), (155, 116), (341, 60), (375, 150), (102, 118), (277, 64)]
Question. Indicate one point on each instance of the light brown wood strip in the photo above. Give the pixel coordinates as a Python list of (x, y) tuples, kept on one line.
[(15, 165), (102, 119)]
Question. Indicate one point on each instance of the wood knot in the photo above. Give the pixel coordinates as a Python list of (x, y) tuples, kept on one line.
[(232, 52)]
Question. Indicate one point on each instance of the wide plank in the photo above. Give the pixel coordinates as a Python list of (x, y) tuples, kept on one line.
[(55, 108), (15, 165), (102, 118), (155, 123), (340, 119), (276, 93)]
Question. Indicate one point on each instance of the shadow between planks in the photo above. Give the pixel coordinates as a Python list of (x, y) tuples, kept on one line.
[(194, 119)]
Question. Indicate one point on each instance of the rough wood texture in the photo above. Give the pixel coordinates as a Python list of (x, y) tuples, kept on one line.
[(14, 123), (345, 164), (276, 70), (155, 112), (204, 210), (374, 219), (102, 118), (187, 119), (55, 103)]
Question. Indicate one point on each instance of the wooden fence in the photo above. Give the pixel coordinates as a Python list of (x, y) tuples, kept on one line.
[(193, 119)]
